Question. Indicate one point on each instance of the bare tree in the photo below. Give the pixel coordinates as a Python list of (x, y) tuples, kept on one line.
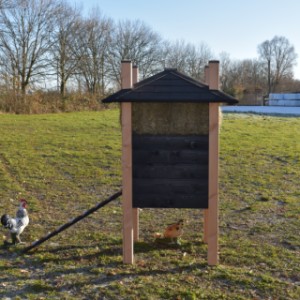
[(65, 48), (197, 58), (25, 39), (256, 77), (225, 64), (176, 55), (237, 76), (279, 57), (136, 41), (93, 45), (187, 58)]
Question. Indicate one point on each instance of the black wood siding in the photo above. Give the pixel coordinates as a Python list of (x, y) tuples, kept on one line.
[(170, 171)]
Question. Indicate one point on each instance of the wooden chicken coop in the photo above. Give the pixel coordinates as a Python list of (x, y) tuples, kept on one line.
[(170, 129)]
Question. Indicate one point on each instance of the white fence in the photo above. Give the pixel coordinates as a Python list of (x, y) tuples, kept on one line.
[(292, 99), (263, 110)]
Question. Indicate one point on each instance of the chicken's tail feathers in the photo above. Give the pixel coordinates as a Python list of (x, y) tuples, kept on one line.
[(6, 221)]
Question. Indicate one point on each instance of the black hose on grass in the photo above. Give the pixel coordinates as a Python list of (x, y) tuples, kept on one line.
[(72, 222)]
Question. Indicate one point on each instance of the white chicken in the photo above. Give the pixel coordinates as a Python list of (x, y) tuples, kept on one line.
[(16, 225)]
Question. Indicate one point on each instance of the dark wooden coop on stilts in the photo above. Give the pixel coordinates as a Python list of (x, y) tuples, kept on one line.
[(170, 147)]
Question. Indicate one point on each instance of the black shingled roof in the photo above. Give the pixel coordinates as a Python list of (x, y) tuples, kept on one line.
[(170, 86)]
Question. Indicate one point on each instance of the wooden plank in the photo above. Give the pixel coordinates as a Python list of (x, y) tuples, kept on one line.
[(171, 156), (152, 142), (170, 193), (170, 171), (169, 186), (196, 201), (212, 224)]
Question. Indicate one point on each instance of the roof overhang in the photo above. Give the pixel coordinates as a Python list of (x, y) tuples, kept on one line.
[(170, 86)]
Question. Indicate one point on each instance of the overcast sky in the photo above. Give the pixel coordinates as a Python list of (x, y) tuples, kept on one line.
[(233, 26)]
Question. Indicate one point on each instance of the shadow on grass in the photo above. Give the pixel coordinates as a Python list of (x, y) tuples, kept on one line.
[(144, 247), (57, 281), (95, 267), (95, 251)]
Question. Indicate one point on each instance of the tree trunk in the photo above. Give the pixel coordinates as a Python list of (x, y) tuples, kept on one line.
[(269, 77), (23, 88), (62, 88)]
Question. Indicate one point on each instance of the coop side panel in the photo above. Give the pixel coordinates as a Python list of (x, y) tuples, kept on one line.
[(170, 171)]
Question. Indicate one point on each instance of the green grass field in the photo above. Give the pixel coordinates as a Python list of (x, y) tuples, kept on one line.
[(64, 164)]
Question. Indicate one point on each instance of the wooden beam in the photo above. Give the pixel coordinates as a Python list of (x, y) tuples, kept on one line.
[(212, 214), (213, 74), (126, 74), (211, 226), (127, 184), (126, 122)]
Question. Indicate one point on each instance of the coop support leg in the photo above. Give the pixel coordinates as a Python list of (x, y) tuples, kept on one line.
[(127, 184), (212, 224), (212, 237), (126, 122)]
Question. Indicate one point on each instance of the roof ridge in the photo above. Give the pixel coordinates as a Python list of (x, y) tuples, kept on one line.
[(164, 73), (149, 80), (190, 79)]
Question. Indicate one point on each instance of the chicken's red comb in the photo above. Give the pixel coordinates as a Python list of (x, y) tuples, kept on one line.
[(23, 203)]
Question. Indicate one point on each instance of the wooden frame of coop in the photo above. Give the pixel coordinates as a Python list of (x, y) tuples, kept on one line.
[(170, 147)]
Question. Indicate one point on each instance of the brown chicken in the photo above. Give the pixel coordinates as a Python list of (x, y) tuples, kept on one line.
[(172, 232)]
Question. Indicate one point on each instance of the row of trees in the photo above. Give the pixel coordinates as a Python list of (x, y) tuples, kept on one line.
[(271, 72), (46, 43)]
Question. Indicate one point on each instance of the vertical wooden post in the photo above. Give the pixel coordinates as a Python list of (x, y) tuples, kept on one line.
[(213, 74), (212, 225), (135, 212), (213, 210), (126, 81)]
